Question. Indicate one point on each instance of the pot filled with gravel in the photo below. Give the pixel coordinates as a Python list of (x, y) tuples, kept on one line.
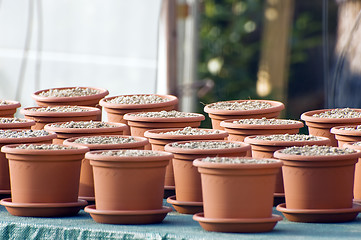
[(45, 115), (16, 136), (357, 181), (320, 122), (240, 109), (44, 173), (128, 181), (102, 142), (16, 123), (187, 178), (264, 146), (140, 122), (65, 130), (117, 106), (318, 178), (73, 96), (347, 134), (8, 108), (160, 137), (237, 189), (239, 129)]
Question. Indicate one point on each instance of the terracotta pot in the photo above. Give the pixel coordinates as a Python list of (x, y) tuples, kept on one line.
[(65, 133), (43, 118), (89, 100), (318, 182), (8, 110), (186, 176), (238, 132), (357, 181), (139, 125), (346, 135), (158, 140), (86, 185), (21, 124), (116, 112), (266, 148), (4, 164), (238, 190), (128, 182), (44, 176), (218, 115), (321, 126)]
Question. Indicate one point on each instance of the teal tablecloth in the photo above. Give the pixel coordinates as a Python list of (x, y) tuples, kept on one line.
[(174, 226)]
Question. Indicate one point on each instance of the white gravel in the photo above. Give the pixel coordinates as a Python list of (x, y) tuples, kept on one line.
[(138, 99), (206, 145), (287, 137), (59, 109), (191, 131), (130, 153), (105, 140), (235, 160), (265, 121), (242, 105), (69, 92), (12, 120), (339, 113), (165, 114), (317, 150), (355, 128), (44, 147), (23, 133), (83, 124), (3, 102)]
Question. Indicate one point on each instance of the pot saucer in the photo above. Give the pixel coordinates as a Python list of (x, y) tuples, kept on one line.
[(320, 215), (43, 209), (127, 216), (185, 207), (237, 225)]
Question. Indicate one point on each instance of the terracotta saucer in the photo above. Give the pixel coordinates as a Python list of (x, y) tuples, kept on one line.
[(320, 215), (128, 216), (238, 225), (43, 209), (185, 207)]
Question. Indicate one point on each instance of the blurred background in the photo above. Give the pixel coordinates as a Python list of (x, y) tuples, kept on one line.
[(203, 51)]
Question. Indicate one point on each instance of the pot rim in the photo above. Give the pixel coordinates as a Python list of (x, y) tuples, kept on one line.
[(251, 140), (130, 117), (91, 111), (276, 106), (173, 100), (243, 148), (307, 117), (11, 149), (274, 164), (323, 158), (25, 123), (155, 134), (140, 141), (119, 127), (229, 124), (95, 156), (51, 136), (337, 131), (13, 104), (103, 92)]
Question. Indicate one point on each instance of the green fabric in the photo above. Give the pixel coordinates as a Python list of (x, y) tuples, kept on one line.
[(175, 226)]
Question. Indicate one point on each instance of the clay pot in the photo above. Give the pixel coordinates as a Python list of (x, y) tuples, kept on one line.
[(4, 164), (266, 148), (346, 135), (8, 110), (238, 132), (158, 140), (139, 125), (238, 190), (321, 126), (21, 124), (89, 100), (128, 182), (65, 133), (357, 181), (219, 115), (318, 182), (186, 176), (44, 176), (43, 118), (116, 112), (86, 185)]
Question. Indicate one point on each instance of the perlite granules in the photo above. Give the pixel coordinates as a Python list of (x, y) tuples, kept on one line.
[(105, 140), (287, 137), (130, 153), (191, 131), (59, 109), (44, 147), (3, 102), (12, 120), (83, 124), (317, 150), (138, 99), (69, 92), (357, 143), (242, 105), (355, 128), (206, 145), (236, 160), (165, 114), (23, 133), (339, 113), (265, 121)]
